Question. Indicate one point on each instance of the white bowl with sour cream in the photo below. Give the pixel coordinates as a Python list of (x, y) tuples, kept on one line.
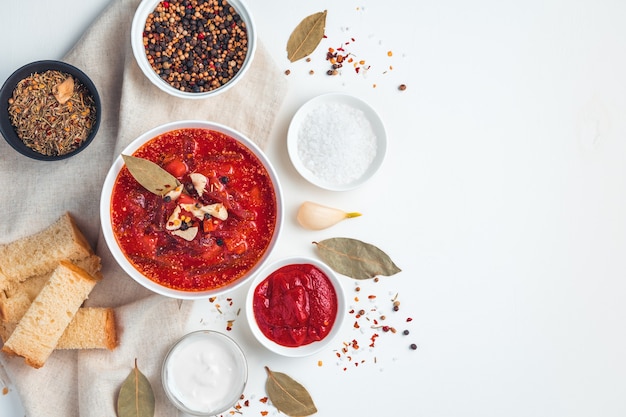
[(204, 373)]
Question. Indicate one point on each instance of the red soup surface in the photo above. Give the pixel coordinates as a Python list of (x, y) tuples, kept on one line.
[(295, 305), (219, 227)]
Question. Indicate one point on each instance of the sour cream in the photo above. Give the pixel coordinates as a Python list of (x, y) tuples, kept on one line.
[(204, 373)]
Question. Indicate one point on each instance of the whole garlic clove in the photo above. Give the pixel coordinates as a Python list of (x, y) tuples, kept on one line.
[(315, 216)]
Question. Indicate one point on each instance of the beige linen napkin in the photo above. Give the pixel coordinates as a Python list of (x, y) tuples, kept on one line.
[(86, 383)]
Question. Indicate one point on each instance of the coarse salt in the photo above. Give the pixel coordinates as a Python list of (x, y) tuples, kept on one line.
[(337, 143)]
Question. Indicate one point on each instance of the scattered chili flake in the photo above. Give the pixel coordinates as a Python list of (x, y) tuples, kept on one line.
[(263, 400), (287, 72), (371, 296), (320, 363), (389, 53), (264, 413)]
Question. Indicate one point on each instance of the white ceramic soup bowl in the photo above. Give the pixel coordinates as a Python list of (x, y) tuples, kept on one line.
[(107, 200)]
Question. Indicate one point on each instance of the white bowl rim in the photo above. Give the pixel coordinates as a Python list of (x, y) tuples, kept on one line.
[(136, 42), (105, 206), (311, 348), (355, 102)]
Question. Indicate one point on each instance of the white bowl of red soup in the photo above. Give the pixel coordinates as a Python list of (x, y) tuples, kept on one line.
[(213, 235), (295, 306)]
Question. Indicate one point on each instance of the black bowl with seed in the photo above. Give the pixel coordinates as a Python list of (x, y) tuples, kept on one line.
[(49, 110), (193, 48)]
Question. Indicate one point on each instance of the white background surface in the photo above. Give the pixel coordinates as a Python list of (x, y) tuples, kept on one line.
[(502, 198)]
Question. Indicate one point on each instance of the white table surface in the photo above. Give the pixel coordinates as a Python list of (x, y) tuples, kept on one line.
[(502, 198)]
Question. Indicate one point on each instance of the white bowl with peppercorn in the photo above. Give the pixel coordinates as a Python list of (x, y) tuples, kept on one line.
[(49, 110), (191, 48)]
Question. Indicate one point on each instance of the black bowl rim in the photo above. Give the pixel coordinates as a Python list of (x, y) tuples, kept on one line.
[(6, 128)]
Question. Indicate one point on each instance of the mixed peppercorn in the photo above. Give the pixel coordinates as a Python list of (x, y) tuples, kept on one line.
[(195, 45)]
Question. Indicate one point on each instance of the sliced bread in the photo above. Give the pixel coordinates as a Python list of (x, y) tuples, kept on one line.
[(17, 297), (42, 251), (38, 332), (92, 328)]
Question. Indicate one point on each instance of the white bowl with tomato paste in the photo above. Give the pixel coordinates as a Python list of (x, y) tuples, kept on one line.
[(216, 234), (295, 306)]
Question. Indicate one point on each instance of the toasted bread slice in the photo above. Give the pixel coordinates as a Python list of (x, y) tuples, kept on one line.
[(38, 332), (17, 297), (91, 328), (39, 253)]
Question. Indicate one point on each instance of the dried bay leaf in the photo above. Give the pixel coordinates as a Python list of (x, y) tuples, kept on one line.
[(306, 36), (150, 175), (136, 398), (355, 259), (288, 395)]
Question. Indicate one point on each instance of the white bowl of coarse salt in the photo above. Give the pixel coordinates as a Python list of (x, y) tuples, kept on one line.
[(336, 141)]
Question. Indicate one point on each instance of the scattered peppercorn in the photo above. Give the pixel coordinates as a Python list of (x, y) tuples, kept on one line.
[(413, 346), (287, 72), (195, 46), (406, 332), (402, 87)]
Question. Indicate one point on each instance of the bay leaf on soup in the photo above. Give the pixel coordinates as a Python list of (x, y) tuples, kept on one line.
[(150, 175), (136, 398), (306, 36), (288, 395), (355, 259)]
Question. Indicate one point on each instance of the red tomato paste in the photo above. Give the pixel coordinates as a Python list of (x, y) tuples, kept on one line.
[(222, 250), (295, 305)]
